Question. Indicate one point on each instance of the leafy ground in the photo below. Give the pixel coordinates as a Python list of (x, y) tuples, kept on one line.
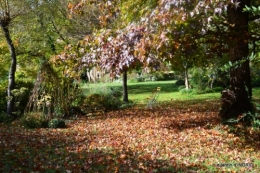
[(180, 136)]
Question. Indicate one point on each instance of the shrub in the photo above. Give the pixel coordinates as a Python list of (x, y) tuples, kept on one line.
[(4, 118), (137, 79), (3, 87), (186, 91), (159, 76), (250, 118), (56, 123), (181, 87), (33, 120), (180, 82), (127, 105), (102, 100), (255, 82), (256, 124), (93, 102), (21, 95)]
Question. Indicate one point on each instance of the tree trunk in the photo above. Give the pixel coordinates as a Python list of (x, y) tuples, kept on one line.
[(212, 82), (125, 92), (12, 70), (237, 100), (186, 78)]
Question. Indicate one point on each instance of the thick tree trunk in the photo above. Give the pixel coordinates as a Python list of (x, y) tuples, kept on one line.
[(125, 92), (237, 100), (12, 70)]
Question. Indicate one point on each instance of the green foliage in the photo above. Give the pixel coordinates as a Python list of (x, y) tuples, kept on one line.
[(39, 120), (161, 76), (134, 10), (135, 80), (4, 118), (21, 95), (56, 123), (212, 90), (252, 9), (180, 82), (249, 118), (199, 79), (33, 120), (255, 72), (186, 91), (125, 105), (3, 87), (256, 123), (255, 116), (103, 99)]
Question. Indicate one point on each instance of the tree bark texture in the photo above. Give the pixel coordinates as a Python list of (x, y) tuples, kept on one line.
[(12, 70), (125, 91), (237, 100)]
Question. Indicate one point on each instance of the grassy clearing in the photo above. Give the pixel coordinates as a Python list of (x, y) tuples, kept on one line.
[(141, 91)]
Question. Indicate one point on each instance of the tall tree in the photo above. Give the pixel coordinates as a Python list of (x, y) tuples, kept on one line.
[(111, 48), (237, 100), (115, 52), (8, 13)]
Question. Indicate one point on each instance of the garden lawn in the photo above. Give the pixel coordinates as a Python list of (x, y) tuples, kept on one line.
[(177, 136), (140, 92)]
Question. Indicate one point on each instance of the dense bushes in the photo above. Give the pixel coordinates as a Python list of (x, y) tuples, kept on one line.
[(4, 118), (102, 99), (40, 120), (21, 96), (33, 120), (3, 87), (22, 93), (180, 82)]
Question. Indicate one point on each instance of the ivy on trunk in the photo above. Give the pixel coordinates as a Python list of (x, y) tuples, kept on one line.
[(240, 80)]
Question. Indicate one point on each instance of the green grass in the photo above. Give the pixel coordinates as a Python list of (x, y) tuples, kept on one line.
[(256, 93), (140, 92)]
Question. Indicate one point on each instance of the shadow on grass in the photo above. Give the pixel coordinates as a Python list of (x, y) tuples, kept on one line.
[(142, 87), (148, 88)]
